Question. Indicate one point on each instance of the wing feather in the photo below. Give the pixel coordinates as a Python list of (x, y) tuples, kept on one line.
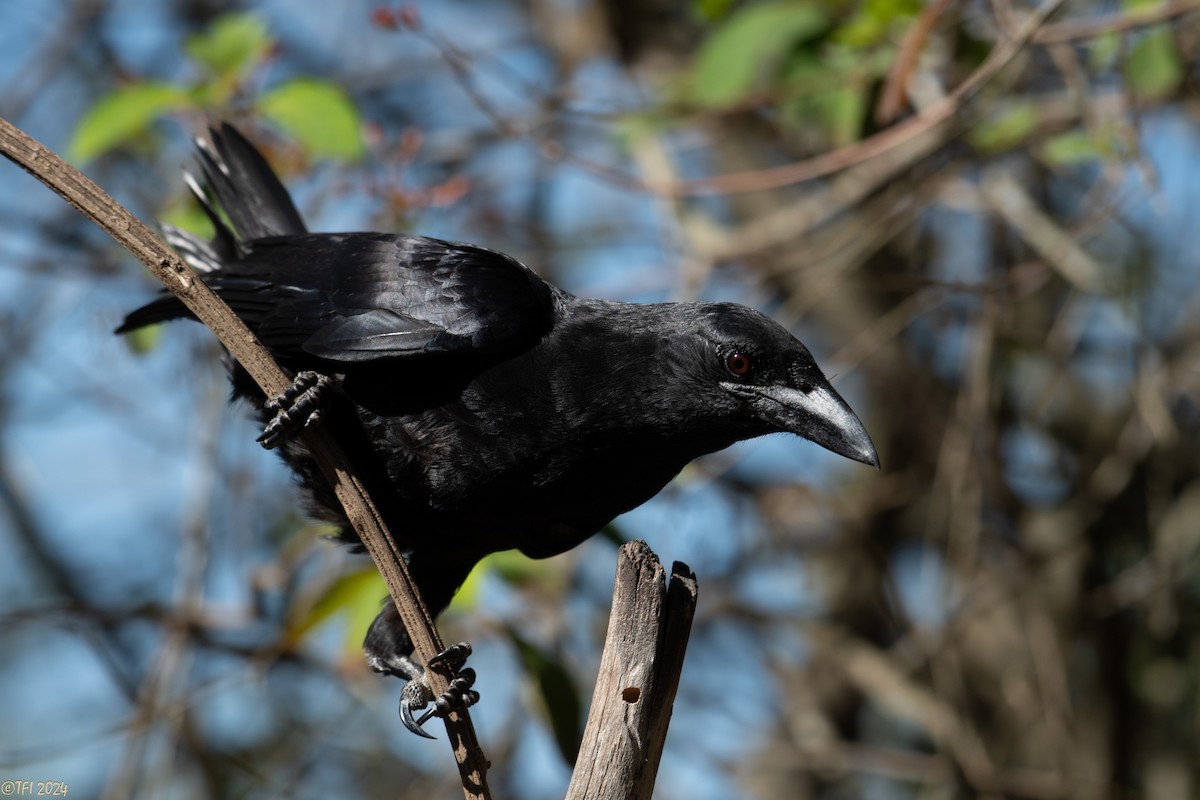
[(361, 297)]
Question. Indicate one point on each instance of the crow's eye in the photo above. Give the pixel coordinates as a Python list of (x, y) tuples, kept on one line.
[(739, 364)]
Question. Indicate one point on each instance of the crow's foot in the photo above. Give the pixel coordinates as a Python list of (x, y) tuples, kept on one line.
[(416, 694), (297, 407)]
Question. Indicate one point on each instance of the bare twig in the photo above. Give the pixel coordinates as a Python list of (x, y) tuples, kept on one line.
[(135, 237), (892, 98), (1114, 23)]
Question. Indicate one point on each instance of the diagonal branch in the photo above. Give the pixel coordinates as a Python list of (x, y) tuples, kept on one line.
[(130, 233)]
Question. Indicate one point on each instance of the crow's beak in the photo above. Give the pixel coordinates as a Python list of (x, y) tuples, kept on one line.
[(819, 415)]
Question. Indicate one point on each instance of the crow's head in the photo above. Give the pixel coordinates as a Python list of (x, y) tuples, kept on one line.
[(767, 381)]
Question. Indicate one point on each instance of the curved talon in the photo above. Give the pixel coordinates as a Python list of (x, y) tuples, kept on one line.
[(417, 694), (414, 725), (458, 693)]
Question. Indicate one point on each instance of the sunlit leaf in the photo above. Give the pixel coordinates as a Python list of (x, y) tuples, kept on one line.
[(1103, 51), (232, 44), (842, 112), (712, 9), (1153, 68), (1067, 149), (875, 19), (837, 112), (356, 595), (510, 566), (752, 41), (143, 340), (120, 116), (467, 596), (632, 128), (517, 568), (318, 114), (1006, 130), (189, 216)]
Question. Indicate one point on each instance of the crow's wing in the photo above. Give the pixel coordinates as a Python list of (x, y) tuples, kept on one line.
[(360, 297)]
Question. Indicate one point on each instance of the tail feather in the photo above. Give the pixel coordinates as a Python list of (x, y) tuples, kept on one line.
[(224, 244), (163, 309), (204, 257), (245, 186), (254, 201)]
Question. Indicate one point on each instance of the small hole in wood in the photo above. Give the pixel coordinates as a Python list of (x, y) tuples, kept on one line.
[(631, 695)]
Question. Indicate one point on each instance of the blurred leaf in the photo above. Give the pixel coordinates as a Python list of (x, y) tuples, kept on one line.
[(1006, 130), (511, 566), (613, 534), (875, 19), (736, 55), (712, 10), (1153, 68), (189, 216), (838, 112), (356, 595), (120, 116), (559, 694), (467, 596), (318, 114), (1067, 149), (234, 43), (630, 128), (1103, 51), (842, 112), (518, 569), (143, 340)]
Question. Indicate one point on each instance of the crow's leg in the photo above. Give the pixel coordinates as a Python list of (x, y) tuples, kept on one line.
[(389, 651), (297, 407)]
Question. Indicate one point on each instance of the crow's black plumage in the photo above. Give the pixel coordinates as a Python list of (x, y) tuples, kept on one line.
[(493, 410)]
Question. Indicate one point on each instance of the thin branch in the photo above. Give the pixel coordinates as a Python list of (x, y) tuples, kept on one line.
[(135, 237), (1114, 23)]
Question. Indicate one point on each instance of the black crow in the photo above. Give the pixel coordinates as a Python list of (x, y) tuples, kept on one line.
[(489, 409)]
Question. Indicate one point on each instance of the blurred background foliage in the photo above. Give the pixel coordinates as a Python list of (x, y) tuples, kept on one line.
[(978, 216)]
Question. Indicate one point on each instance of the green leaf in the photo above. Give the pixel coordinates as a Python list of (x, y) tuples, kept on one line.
[(120, 116), (467, 595), (753, 40), (712, 9), (355, 595), (1006, 130), (874, 20), (1103, 51), (189, 216), (842, 111), (630, 129), (318, 114), (613, 534), (143, 340), (1153, 68), (1067, 149), (518, 569), (232, 45), (558, 691)]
